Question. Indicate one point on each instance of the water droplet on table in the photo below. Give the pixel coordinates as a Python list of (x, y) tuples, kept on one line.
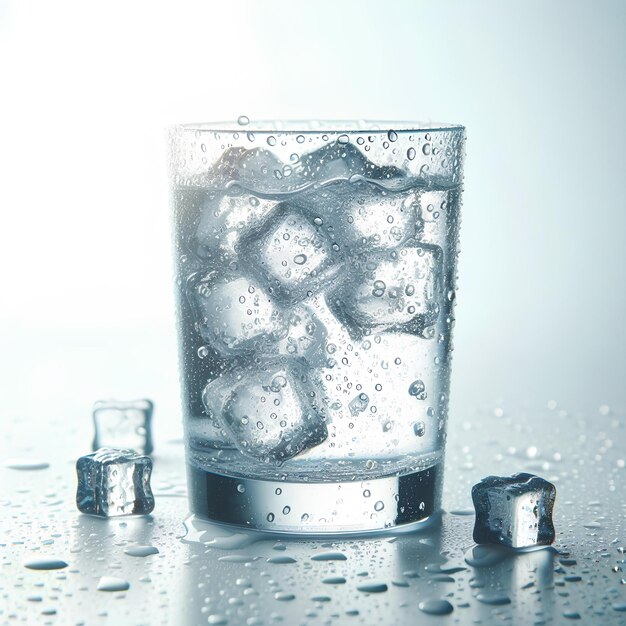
[(372, 587), (141, 551), (112, 583), (329, 556), (26, 464), (45, 564), (435, 607)]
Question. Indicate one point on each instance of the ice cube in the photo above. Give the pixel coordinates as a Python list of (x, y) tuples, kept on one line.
[(123, 425), (395, 289), (270, 410), (364, 217), (257, 169), (438, 212), (515, 511), (234, 314), (306, 335), (292, 255), (114, 482), (368, 384), (340, 160), (224, 217)]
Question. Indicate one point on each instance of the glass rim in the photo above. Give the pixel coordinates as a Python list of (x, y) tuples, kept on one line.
[(314, 127)]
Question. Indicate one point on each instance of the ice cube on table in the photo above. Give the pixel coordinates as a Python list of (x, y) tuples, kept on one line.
[(235, 314), (292, 255), (270, 410), (224, 218), (114, 482), (395, 289), (364, 217), (123, 425), (515, 511)]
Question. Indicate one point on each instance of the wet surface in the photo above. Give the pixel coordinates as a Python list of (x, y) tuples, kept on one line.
[(142, 570)]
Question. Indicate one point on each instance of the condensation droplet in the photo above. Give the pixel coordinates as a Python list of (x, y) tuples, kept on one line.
[(418, 390)]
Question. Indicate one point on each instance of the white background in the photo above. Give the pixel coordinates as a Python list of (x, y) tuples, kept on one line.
[(86, 91)]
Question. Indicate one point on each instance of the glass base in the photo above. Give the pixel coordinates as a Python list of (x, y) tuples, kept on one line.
[(316, 508)]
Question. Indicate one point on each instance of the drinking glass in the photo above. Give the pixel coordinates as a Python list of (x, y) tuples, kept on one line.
[(315, 275)]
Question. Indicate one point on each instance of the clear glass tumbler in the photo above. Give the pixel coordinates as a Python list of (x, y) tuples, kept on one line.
[(315, 272)]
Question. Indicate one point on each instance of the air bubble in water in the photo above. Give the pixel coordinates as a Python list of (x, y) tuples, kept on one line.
[(243, 120)]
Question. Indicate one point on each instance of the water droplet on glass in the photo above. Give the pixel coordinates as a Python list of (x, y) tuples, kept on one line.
[(418, 389), (243, 120), (419, 428)]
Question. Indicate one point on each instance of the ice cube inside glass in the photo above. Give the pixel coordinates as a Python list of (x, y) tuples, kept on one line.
[(315, 274)]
